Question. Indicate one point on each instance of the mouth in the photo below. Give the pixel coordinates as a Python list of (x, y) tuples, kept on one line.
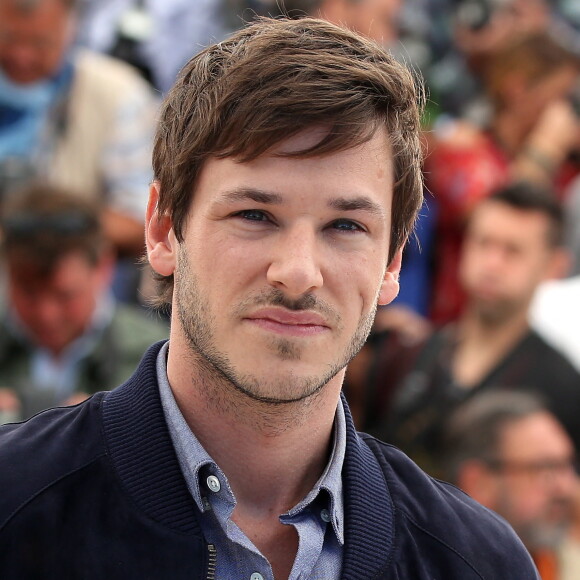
[(288, 323)]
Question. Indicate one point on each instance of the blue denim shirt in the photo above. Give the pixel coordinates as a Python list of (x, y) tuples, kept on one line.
[(318, 518)]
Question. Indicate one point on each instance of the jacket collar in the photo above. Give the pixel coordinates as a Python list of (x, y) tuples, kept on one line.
[(142, 453)]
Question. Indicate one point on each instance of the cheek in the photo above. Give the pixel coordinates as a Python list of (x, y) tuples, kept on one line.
[(24, 307), (364, 279), (528, 500)]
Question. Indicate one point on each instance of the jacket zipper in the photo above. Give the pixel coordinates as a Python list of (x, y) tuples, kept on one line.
[(212, 561)]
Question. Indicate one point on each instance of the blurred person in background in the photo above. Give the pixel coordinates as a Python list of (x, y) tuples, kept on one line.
[(156, 36), (475, 31), (513, 243), (72, 117), (62, 334), (377, 19), (534, 133), (508, 452)]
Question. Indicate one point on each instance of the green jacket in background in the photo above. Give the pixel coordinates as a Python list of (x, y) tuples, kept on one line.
[(113, 359)]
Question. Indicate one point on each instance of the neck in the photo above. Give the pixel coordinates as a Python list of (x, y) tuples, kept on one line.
[(475, 328), (482, 345), (272, 454)]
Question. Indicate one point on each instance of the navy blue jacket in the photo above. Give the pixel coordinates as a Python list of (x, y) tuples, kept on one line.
[(96, 492)]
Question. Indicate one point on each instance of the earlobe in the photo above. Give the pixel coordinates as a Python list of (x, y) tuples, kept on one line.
[(160, 239), (390, 285)]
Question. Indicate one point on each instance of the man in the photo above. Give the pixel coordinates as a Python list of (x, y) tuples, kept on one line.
[(62, 335), (287, 167), (513, 243), (512, 455), (77, 119)]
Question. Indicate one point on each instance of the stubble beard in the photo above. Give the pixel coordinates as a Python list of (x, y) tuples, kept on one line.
[(229, 387), (543, 532), (496, 314)]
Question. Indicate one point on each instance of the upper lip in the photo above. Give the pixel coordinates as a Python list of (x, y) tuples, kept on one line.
[(283, 316)]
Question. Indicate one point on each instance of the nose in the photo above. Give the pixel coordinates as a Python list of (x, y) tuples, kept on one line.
[(295, 264), (46, 311)]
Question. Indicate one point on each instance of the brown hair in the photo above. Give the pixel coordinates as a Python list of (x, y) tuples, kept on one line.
[(272, 80), (42, 224), (532, 197)]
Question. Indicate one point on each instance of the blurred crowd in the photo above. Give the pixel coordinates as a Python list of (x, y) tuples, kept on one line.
[(474, 371)]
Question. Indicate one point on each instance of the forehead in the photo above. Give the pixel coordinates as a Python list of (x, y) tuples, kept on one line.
[(383, 7), (70, 268), (502, 221), (363, 170), (537, 436), (32, 15)]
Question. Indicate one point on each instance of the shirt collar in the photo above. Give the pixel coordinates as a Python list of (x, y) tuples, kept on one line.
[(192, 456)]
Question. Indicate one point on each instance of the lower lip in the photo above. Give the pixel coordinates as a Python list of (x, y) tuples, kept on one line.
[(288, 329)]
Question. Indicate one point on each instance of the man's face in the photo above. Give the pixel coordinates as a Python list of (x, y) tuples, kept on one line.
[(282, 265), (56, 309), (33, 43), (536, 484), (505, 256)]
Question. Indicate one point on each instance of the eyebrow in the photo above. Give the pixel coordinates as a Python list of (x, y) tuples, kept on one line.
[(248, 193), (359, 203)]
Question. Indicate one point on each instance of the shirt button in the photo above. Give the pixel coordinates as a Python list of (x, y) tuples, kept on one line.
[(325, 515), (256, 576), (213, 483)]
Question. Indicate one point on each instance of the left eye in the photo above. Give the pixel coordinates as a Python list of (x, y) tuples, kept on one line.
[(253, 215), (347, 225)]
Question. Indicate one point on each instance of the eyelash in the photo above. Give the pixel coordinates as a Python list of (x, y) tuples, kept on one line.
[(247, 212), (338, 224), (353, 226)]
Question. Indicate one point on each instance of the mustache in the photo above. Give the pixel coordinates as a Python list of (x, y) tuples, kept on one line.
[(275, 297)]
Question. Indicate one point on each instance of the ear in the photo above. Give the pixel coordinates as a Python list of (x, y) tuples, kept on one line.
[(560, 264), (390, 285), (159, 236)]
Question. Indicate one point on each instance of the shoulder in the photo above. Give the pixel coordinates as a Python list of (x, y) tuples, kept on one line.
[(113, 77), (37, 453), (446, 525), (548, 358), (133, 325)]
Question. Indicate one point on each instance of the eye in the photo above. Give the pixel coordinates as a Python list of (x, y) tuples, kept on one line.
[(254, 215), (347, 226)]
